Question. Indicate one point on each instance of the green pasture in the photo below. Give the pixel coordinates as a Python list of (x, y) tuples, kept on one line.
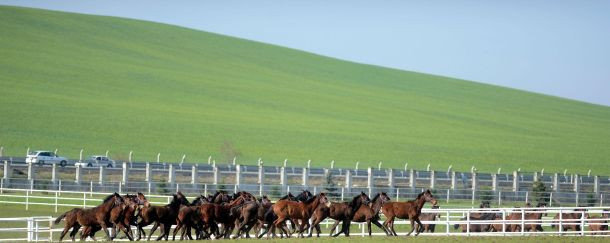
[(72, 81)]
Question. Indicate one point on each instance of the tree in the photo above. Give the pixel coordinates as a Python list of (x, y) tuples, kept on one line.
[(540, 193), (330, 185)]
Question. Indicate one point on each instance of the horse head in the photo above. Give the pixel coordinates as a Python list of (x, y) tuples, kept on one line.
[(384, 197), (322, 199), (288, 197), (264, 200), (305, 195), (142, 200), (360, 199), (429, 198)]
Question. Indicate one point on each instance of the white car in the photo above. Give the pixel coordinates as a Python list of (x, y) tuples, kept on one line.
[(45, 157), (97, 161)]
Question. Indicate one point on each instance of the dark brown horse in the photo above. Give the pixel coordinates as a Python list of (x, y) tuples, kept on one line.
[(222, 215), (296, 211), (370, 213), (268, 217), (164, 216), (528, 226), (478, 216), (189, 217), (429, 217), (340, 212), (92, 217), (248, 214), (573, 220), (406, 210)]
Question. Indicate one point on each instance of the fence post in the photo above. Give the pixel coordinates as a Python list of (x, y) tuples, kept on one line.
[(148, 173), (551, 199), (238, 176), (79, 173), (348, 180), (215, 172), (499, 198), (596, 185), (526, 197), (102, 175), (30, 229), (56, 199), (475, 181), (27, 199), (515, 181), (391, 179), (171, 176), (261, 174), (194, 171), (84, 200), (448, 195), (412, 179), (535, 176), (556, 182), (125, 177), (432, 179), (576, 183), (305, 177), (54, 175), (31, 171), (453, 180), (369, 179), (494, 182), (7, 172), (283, 178)]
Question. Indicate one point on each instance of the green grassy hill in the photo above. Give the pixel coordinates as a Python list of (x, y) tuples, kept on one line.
[(72, 81)]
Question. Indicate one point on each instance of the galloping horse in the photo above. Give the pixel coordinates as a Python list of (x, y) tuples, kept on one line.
[(429, 217), (161, 215), (92, 217), (406, 210), (370, 213), (340, 212), (296, 211)]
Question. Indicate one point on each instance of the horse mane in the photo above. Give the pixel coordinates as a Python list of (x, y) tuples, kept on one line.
[(312, 199), (376, 197), (352, 204), (109, 197)]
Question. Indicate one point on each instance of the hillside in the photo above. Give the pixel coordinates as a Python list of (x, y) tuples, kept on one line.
[(72, 81)]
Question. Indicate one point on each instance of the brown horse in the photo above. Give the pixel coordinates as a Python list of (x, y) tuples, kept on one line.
[(163, 216), (222, 215), (370, 213), (478, 216), (429, 217), (267, 216), (406, 210), (122, 217), (340, 212), (92, 217), (572, 224), (247, 215), (296, 211), (528, 226), (599, 223)]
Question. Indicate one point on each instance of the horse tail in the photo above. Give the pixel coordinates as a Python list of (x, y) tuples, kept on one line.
[(58, 219)]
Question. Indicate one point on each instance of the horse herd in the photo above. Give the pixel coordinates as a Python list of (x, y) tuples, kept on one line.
[(222, 215), (534, 216)]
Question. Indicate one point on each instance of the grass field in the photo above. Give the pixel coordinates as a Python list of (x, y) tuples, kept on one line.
[(73, 81)]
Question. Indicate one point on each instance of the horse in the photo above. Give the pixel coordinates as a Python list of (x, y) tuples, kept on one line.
[(268, 216), (340, 212), (188, 217), (573, 224), (599, 223), (122, 217), (477, 227), (161, 215), (406, 210), (296, 211), (91, 217), (429, 217), (534, 226), (248, 215), (370, 213), (222, 214)]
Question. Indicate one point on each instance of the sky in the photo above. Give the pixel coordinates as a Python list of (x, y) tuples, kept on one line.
[(555, 47)]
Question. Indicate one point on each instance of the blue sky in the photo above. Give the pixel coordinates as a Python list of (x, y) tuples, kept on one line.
[(554, 47)]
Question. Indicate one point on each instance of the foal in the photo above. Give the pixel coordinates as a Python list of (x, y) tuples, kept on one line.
[(340, 212), (91, 217), (370, 213), (406, 210)]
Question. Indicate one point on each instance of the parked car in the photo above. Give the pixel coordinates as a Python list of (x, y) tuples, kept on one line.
[(45, 157), (97, 161)]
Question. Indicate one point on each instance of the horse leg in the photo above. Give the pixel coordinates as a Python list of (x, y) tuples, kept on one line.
[(412, 227), (380, 226), (152, 231), (332, 229), (179, 225), (419, 225), (368, 224)]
